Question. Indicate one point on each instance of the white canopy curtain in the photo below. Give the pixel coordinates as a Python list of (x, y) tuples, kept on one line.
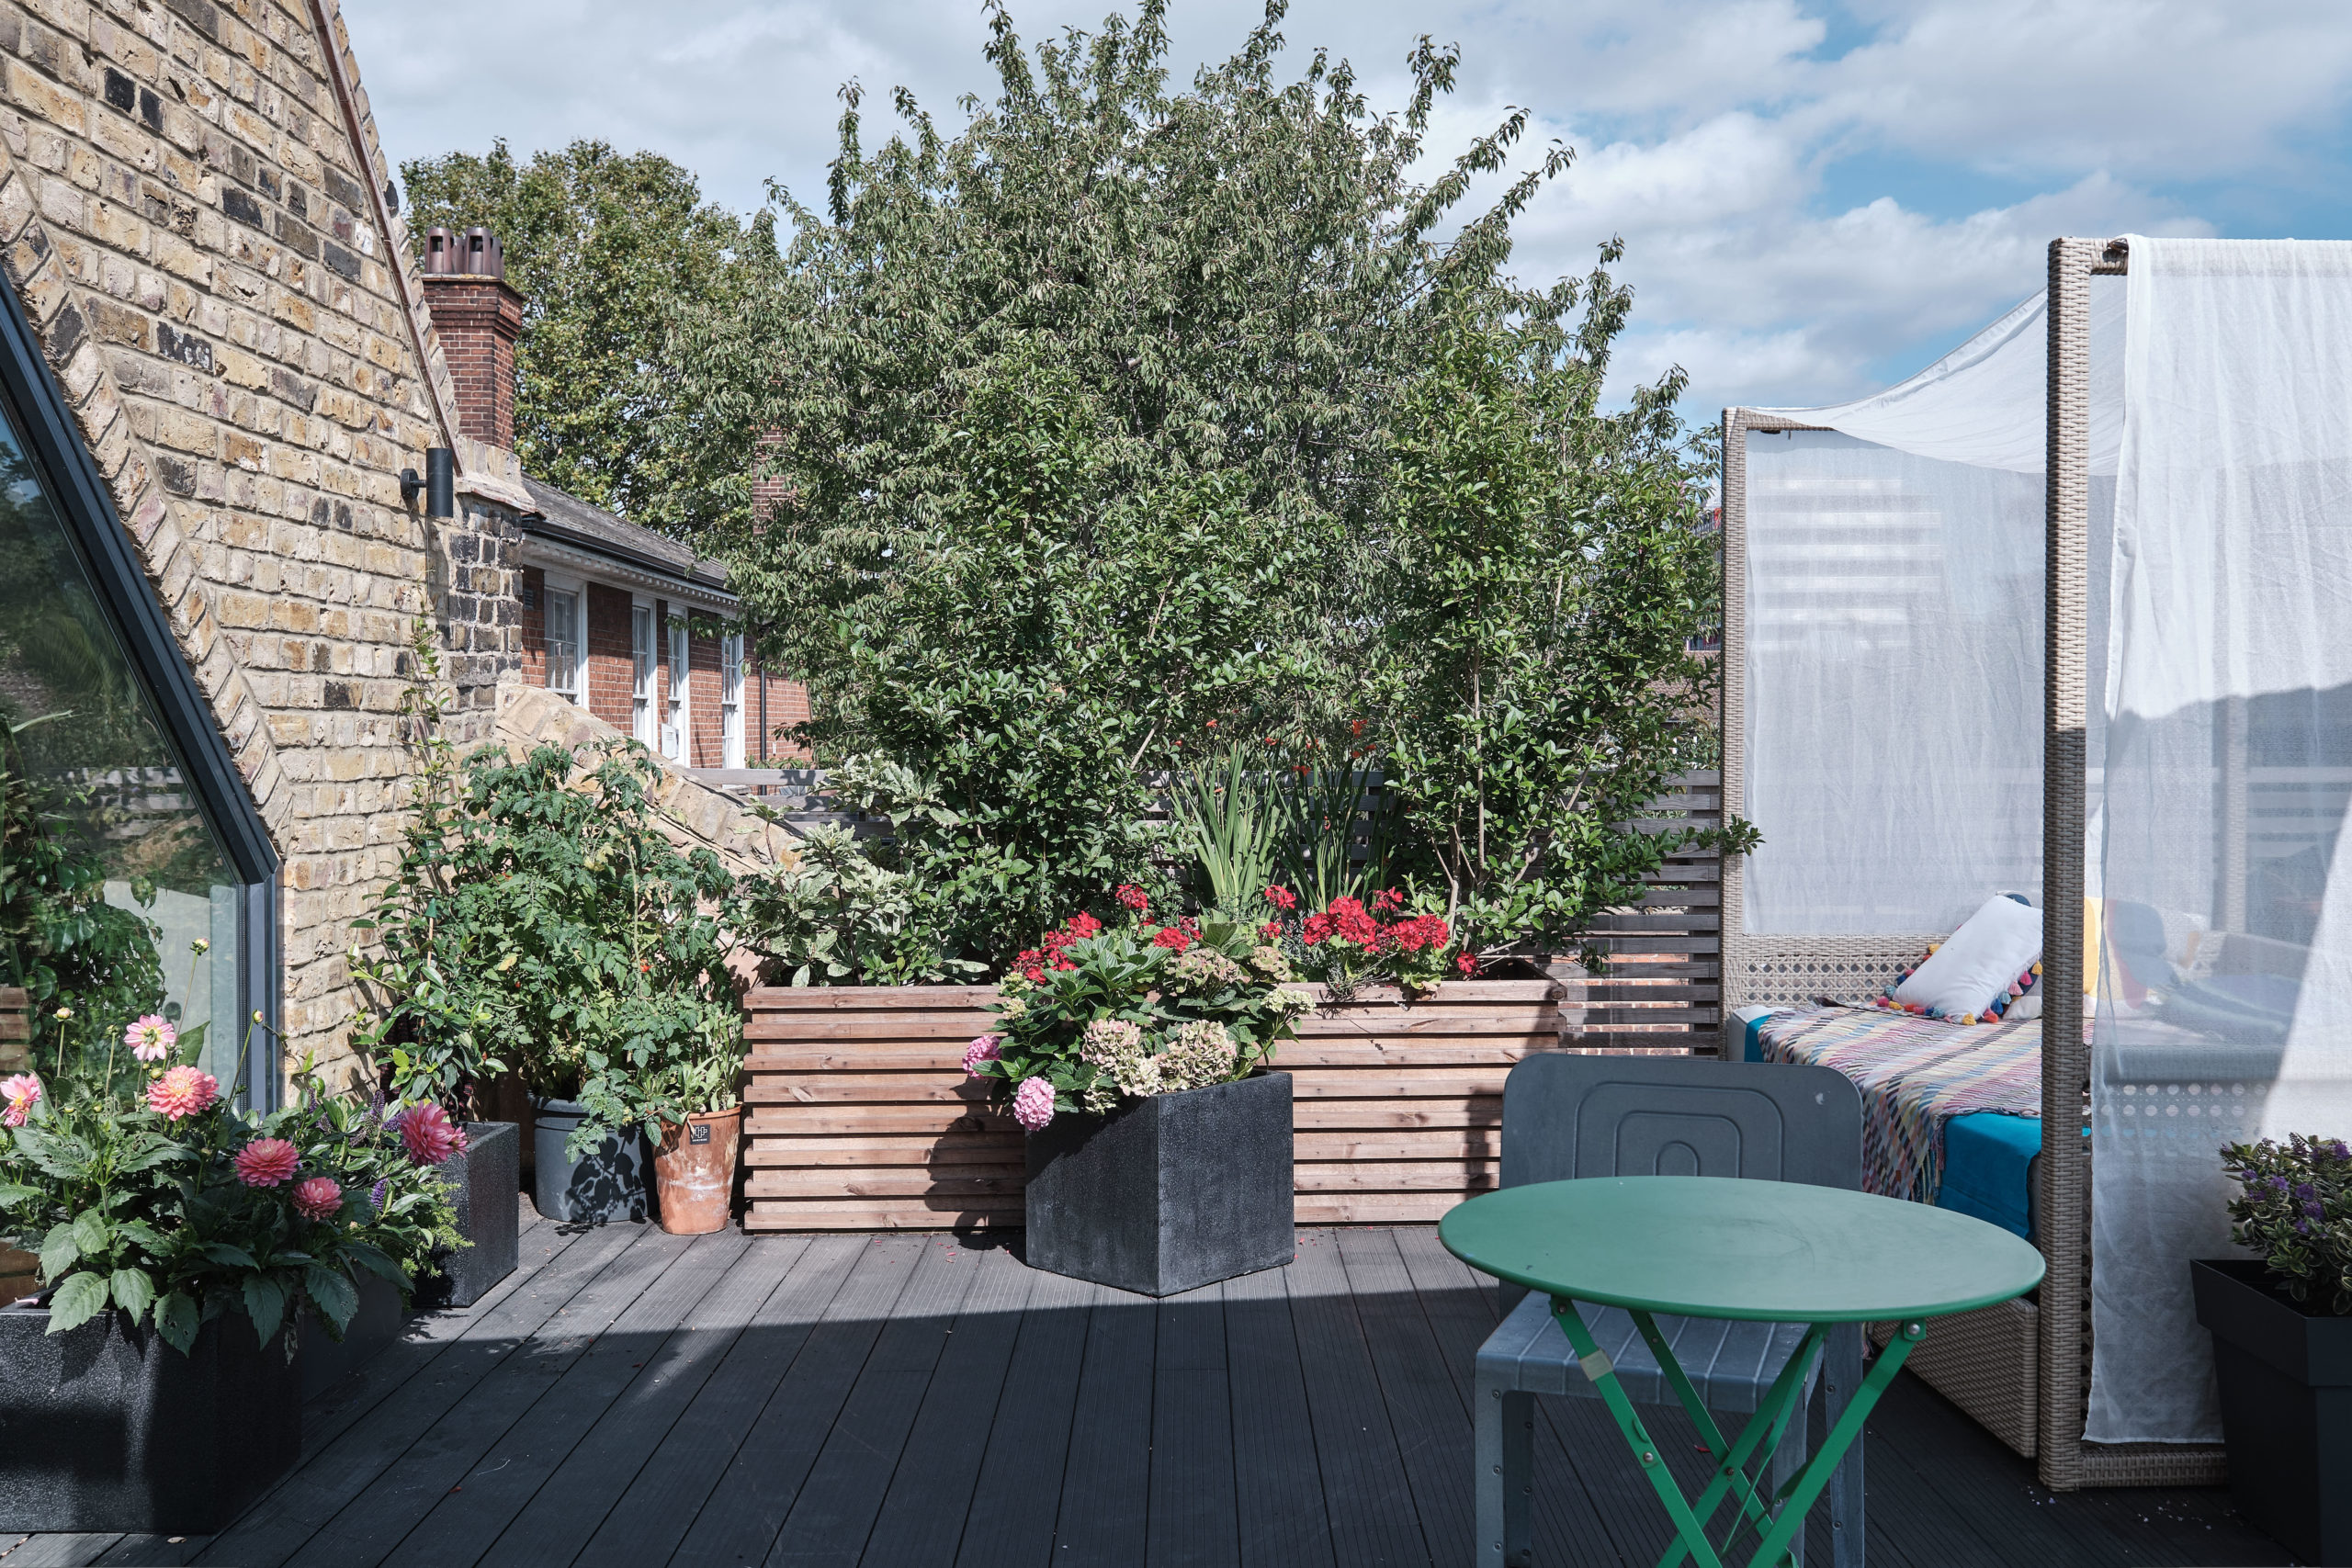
[(1892, 727), (1894, 637)]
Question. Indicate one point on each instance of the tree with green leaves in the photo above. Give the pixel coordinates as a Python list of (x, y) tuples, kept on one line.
[(1543, 575), (605, 248)]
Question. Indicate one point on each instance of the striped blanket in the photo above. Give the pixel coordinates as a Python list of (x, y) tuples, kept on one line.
[(1916, 1074)]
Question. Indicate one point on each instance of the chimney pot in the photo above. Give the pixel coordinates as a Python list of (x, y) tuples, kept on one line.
[(477, 317)]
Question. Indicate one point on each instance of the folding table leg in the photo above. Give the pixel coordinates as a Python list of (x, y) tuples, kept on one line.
[(1505, 1477), (1841, 1374), (1842, 1434)]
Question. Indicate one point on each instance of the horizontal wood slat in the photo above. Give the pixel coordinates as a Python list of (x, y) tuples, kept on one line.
[(861, 1117)]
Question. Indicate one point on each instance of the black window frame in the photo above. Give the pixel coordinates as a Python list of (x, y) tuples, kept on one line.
[(37, 404)]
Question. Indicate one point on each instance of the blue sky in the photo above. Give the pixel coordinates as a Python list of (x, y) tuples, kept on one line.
[(1816, 198)]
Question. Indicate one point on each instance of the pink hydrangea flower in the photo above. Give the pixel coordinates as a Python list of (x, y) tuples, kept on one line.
[(321, 1198), (429, 1136), (22, 1091), (267, 1162), (1033, 1104), (181, 1091), (982, 1049), (152, 1038)]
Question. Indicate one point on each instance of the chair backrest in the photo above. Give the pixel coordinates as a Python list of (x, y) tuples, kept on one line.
[(1572, 1115)]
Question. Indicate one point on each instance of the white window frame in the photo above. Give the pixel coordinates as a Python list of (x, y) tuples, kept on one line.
[(730, 699), (644, 719), (677, 736), (565, 658)]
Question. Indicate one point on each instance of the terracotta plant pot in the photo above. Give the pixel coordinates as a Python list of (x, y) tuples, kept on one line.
[(694, 1172)]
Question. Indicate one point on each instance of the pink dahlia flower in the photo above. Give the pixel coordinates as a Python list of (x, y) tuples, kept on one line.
[(267, 1162), (982, 1049), (22, 1091), (1033, 1104), (429, 1136), (152, 1038), (319, 1199), (181, 1091)]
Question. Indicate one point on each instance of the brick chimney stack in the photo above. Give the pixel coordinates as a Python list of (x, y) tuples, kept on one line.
[(477, 317)]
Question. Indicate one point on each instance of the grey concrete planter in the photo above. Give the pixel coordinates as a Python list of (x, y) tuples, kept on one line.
[(486, 1183), (2286, 1380), (108, 1428), (323, 1361), (609, 1183), (1167, 1193)]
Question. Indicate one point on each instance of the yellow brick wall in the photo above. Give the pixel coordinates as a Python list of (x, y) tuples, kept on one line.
[(188, 214)]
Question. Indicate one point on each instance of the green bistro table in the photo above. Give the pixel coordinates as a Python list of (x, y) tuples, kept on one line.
[(1757, 1251)]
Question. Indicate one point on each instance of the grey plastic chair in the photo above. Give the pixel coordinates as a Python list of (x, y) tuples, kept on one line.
[(1567, 1116)]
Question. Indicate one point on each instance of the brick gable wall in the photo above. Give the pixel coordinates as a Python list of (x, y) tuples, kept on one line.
[(187, 213)]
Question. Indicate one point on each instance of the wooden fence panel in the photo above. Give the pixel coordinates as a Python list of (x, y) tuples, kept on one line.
[(860, 1116), (1662, 988)]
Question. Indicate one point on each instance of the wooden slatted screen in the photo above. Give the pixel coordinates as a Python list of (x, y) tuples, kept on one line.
[(860, 1116), (1662, 990), (16, 1029)]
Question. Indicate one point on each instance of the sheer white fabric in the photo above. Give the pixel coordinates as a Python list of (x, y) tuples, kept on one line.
[(1895, 629), (2226, 747), (1894, 673)]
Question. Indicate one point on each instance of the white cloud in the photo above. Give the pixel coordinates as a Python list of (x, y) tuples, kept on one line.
[(1711, 133)]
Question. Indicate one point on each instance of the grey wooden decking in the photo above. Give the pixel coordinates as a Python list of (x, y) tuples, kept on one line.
[(634, 1398)]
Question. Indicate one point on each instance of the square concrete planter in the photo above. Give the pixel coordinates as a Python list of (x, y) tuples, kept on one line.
[(1167, 1193), (108, 1428), (2286, 1380), (323, 1361), (486, 1182)]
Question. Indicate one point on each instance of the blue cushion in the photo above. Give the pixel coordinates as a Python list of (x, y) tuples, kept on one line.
[(1988, 1168)]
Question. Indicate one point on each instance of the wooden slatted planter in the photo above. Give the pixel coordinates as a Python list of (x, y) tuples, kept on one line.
[(860, 1116)]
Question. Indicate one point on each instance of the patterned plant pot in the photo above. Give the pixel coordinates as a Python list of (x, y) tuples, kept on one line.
[(607, 1183)]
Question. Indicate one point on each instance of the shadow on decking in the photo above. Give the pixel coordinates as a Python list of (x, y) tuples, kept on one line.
[(633, 1398)]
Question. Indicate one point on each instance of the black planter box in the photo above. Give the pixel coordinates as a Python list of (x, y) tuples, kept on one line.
[(323, 1361), (486, 1184), (108, 1428), (610, 1183), (2286, 1380), (1166, 1194)]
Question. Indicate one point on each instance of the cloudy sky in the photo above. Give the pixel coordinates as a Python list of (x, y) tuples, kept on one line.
[(1816, 197)]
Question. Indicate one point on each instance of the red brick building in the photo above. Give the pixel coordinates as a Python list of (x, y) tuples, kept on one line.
[(628, 624)]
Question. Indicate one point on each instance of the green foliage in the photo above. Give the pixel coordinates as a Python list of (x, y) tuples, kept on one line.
[(1060, 636), (1545, 570), (60, 939), (133, 1211), (541, 918), (605, 248), (2294, 1207), (1128, 416), (837, 918), (1103, 1014)]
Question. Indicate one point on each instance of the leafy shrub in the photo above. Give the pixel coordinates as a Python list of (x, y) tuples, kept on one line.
[(148, 1193), (540, 917), (2294, 1206), (1097, 1015), (59, 940), (842, 915)]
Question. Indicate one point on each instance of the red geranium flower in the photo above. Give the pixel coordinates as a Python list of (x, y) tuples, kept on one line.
[(1281, 898), (1387, 898), (1176, 939), (1316, 930), (1131, 897), (1082, 924), (1270, 931), (1467, 962)]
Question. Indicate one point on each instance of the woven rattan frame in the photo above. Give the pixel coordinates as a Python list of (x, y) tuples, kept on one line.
[(1786, 970)]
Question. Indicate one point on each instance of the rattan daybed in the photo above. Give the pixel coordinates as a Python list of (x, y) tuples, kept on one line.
[(2024, 1369)]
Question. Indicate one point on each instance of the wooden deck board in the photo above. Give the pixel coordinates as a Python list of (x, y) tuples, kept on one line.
[(631, 1398)]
